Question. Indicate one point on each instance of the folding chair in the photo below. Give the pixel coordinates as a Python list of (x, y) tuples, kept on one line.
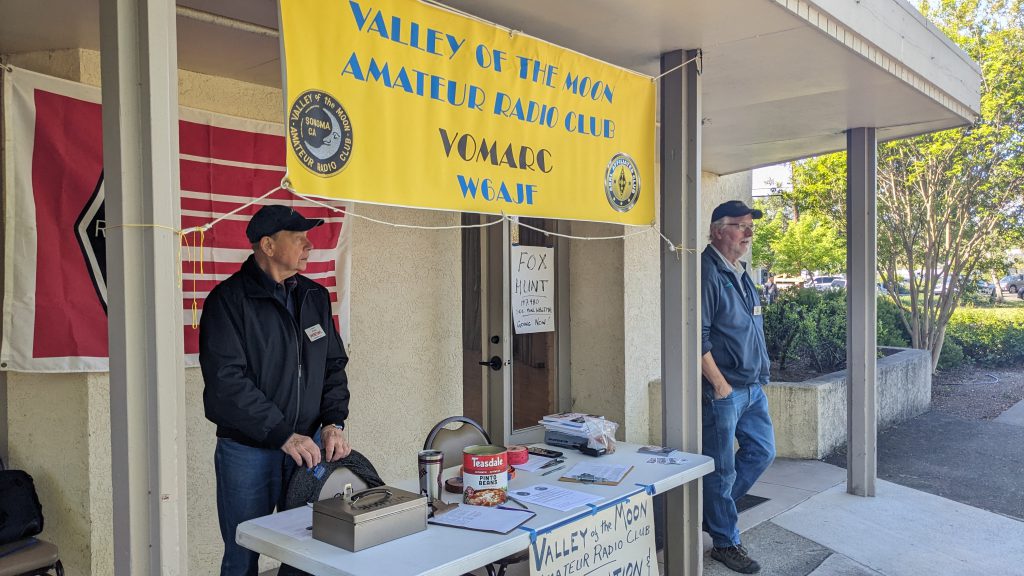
[(451, 442)]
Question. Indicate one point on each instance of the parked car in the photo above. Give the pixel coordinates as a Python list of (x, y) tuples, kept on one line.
[(941, 287), (1012, 283), (838, 283), (822, 282), (784, 281)]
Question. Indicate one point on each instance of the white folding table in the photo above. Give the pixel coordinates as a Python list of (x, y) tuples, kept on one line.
[(441, 550)]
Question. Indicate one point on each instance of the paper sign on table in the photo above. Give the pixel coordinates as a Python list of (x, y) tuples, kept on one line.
[(592, 473), (552, 496)]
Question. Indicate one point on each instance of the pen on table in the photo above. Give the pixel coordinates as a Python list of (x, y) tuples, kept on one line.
[(552, 470), (554, 462), (517, 502)]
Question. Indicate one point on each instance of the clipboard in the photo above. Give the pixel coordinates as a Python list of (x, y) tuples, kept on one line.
[(586, 478), (499, 519)]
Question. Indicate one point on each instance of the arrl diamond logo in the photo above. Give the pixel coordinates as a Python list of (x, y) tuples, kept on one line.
[(90, 230)]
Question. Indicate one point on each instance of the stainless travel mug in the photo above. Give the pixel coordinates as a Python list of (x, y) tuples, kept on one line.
[(431, 464)]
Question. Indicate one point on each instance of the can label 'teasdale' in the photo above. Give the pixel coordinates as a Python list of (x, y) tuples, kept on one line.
[(485, 475)]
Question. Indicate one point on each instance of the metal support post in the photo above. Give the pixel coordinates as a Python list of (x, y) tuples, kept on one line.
[(861, 307), (147, 397), (680, 300)]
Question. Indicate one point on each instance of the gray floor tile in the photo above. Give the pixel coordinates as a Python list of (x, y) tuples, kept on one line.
[(803, 474), (779, 551), (780, 499), (839, 565), (906, 532)]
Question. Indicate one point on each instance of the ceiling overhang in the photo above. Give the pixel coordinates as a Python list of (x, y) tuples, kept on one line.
[(782, 79)]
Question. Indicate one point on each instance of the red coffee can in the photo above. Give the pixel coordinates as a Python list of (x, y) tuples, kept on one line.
[(517, 455)]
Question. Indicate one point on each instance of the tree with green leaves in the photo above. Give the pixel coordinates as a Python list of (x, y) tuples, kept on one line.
[(949, 200), (810, 243), (769, 231)]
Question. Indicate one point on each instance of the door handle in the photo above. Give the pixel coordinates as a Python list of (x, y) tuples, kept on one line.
[(495, 363)]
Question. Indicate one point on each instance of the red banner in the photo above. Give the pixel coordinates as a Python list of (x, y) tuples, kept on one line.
[(55, 247)]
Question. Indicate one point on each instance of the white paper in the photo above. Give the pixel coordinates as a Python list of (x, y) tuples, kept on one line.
[(658, 450), (533, 289), (551, 496), (666, 460), (534, 463), (498, 519), (603, 472)]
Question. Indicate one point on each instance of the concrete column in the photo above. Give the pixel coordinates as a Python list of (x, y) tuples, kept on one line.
[(861, 308), (680, 300), (147, 396)]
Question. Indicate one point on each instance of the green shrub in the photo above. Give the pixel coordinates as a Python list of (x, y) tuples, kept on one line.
[(989, 337), (809, 324), (889, 327), (783, 321), (952, 355), (822, 339)]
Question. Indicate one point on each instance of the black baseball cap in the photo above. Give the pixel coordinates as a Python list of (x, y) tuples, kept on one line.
[(734, 208), (273, 218)]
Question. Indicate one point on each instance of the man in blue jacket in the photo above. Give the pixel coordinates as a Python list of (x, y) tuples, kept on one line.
[(735, 366), (274, 373)]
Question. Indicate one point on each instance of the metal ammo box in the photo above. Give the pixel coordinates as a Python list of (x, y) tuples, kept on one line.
[(371, 517)]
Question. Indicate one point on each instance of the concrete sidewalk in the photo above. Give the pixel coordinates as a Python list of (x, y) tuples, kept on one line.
[(811, 526)]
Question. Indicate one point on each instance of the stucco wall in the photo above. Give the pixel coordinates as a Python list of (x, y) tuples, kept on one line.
[(615, 307), (641, 311), (405, 370), (59, 428), (596, 321)]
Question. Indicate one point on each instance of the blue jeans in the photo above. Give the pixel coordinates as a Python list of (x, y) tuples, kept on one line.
[(742, 415), (251, 482)]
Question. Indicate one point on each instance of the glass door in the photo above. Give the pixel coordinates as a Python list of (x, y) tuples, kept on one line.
[(518, 378)]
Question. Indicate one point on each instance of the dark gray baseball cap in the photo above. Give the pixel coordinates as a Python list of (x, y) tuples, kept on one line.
[(734, 208), (273, 218)]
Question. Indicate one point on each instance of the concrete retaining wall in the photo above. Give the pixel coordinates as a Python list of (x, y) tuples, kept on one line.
[(810, 416)]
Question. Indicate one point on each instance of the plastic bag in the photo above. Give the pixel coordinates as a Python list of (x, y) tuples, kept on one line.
[(600, 433)]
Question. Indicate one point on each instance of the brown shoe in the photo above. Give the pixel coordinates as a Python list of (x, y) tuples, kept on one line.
[(736, 559)]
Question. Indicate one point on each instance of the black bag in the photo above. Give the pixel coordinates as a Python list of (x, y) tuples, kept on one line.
[(21, 515)]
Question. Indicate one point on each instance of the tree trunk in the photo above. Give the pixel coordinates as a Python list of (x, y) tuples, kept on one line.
[(936, 349)]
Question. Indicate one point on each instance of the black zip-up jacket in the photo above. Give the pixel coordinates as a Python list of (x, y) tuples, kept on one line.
[(266, 377)]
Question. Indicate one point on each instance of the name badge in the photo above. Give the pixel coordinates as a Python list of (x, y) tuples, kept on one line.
[(757, 311), (315, 333)]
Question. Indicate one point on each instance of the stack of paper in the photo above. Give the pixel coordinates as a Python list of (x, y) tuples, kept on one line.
[(571, 423)]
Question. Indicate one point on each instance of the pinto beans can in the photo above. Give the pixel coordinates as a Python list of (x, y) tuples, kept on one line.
[(485, 475)]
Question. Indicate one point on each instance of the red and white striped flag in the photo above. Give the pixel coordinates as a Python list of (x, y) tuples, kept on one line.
[(55, 313)]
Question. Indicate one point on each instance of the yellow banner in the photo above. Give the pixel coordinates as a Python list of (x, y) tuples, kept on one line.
[(402, 103)]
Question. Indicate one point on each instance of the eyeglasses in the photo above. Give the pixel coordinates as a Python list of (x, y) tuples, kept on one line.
[(742, 227)]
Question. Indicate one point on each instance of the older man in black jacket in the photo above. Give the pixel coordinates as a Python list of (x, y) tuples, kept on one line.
[(274, 371)]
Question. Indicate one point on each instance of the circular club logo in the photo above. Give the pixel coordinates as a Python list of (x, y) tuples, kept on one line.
[(320, 133), (622, 183)]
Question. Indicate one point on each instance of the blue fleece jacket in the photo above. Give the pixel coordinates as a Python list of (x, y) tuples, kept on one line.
[(730, 330)]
